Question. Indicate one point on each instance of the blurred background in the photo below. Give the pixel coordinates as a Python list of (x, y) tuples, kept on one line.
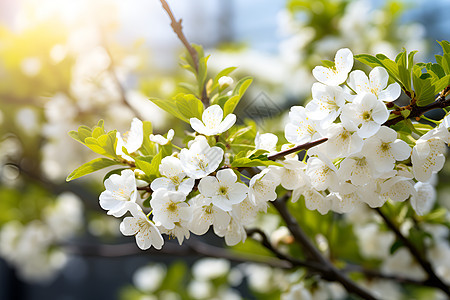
[(66, 63)]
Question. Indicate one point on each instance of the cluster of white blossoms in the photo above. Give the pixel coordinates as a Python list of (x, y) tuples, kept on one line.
[(362, 161), (190, 196)]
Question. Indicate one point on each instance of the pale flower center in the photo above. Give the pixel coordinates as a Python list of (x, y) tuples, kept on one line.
[(223, 190), (385, 147), (121, 194), (171, 206), (367, 115)]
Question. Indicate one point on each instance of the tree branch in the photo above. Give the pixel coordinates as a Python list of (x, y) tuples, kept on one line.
[(433, 279), (122, 92), (311, 265), (190, 248), (331, 273), (178, 29), (417, 111), (297, 148)]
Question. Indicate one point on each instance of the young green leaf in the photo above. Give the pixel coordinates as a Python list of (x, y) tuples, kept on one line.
[(90, 167)]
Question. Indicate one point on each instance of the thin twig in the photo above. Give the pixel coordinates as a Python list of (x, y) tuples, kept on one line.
[(311, 265), (331, 273), (297, 148), (112, 71), (433, 279), (178, 29), (190, 248)]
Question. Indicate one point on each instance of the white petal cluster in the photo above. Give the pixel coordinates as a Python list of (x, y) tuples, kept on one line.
[(363, 161), (200, 159), (120, 190)]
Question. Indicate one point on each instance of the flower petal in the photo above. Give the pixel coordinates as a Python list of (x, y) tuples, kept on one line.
[(212, 116), (198, 126), (378, 79), (359, 82), (391, 93), (227, 123)]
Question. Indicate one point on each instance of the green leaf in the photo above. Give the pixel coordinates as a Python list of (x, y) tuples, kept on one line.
[(381, 61), (328, 63), (441, 84), (423, 88), (105, 144), (237, 94), (445, 46), (171, 107), (89, 167), (150, 165), (395, 246), (148, 147), (189, 106)]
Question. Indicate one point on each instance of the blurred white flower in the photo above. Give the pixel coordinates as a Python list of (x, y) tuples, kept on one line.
[(210, 268), (149, 278), (225, 81)]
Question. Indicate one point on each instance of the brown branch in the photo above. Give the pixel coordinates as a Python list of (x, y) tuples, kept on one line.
[(178, 29), (190, 248), (297, 148), (331, 273), (433, 279), (417, 111), (112, 71), (376, 274), (311, 265)]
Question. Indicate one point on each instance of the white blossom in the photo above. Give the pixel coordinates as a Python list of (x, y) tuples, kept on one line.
[(338, 74), (147, 234), (120, 190), (292, 174), (161, 140), (224, 190), (424, 198), (428, 156), (384, 149), (174, 177), (206, 214), (225, 81), (266, 141), (327, 103), (212, 121), (262, 187), (169, 208), (375, 84), (131, 140), (342, 140), (322, 173), (367, 113), (200, 159), (301, 129)]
